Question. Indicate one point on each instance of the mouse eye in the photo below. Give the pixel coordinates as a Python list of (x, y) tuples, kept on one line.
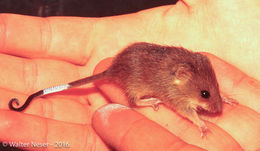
[(205, 94)]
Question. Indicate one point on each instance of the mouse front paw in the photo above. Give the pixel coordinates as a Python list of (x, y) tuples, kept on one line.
[(203, 129), (229, 100), (192, 115)]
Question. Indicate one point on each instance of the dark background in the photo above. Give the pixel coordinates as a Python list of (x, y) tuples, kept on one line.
[(84, 8), (87, 8)]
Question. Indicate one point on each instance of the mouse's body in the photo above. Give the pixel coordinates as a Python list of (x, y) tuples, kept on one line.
[(173, 75), (151, 74)]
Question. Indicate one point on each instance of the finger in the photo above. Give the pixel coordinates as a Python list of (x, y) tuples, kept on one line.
[(243, 124), (53, 37), (30, 75), (236, 84), (170, 120), (125, 130), (188, 131), (27, 129)]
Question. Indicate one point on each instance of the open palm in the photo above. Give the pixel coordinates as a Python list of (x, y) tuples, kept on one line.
[(43, 52)]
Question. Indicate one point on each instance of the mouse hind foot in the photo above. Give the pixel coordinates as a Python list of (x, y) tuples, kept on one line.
[(142, 97), (147, 102), (152, 102)]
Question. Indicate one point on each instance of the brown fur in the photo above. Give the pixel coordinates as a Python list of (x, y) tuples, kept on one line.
[(145, 69)]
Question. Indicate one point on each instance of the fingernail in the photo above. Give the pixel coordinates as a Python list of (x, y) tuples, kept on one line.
[(105, 111)]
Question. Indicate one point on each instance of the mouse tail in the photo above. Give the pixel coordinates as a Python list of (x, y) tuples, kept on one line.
[(89, 79), (56, 89)]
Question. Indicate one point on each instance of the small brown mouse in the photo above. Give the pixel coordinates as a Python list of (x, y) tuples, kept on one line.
[(151, 74)]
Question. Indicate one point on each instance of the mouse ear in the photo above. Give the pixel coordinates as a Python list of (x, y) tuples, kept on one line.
[(183, 71)]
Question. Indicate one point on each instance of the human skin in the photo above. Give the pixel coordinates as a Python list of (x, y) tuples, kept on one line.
[(41, 52)]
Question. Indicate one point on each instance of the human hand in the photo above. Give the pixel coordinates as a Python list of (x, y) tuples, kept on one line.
[(83, 36), (120, 127)]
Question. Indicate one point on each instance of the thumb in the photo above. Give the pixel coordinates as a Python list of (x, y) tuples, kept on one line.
[(127, 130)]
